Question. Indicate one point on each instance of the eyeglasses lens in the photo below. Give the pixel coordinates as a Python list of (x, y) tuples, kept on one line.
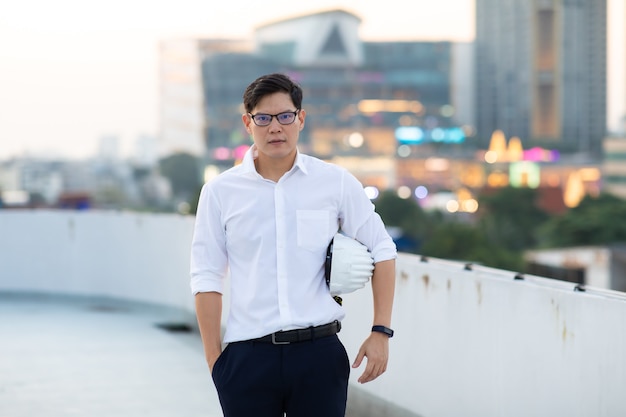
[(286, 118)]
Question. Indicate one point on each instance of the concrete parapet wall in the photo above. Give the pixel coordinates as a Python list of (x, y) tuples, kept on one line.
[(481, 343), (135, 256), (468, 342)]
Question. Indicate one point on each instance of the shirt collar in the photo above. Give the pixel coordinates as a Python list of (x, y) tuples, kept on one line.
[(252, 153), (248, 160)]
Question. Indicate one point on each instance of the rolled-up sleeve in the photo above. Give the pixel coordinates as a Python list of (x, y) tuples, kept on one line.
[(374, 235), (209, 261), (359, 220)]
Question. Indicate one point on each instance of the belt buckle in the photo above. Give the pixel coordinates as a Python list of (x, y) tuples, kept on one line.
[(275, 342)]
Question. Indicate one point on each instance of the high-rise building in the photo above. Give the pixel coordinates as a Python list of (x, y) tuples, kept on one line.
[(357, 93), (614, 163), (371, 106), (541, 72), (182, 116), (616, 72), (614, 166)]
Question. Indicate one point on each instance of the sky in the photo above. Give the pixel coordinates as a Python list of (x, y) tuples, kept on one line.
[(74, 71)]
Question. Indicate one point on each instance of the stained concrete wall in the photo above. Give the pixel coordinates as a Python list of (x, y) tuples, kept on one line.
[(468, 342)]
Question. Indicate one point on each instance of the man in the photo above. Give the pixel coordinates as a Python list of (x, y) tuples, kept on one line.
[(266, 223)]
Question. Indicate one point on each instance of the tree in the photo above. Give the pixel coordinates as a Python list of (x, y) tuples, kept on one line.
[(183, 172), (404, 214), (465, 242), (442, 236), (510, 217), (596, 221)]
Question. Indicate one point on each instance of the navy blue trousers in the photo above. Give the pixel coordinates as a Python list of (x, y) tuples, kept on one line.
[(304, 379)]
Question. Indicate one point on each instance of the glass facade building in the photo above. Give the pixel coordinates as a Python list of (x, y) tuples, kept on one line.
[(541, 72), (350, 86)]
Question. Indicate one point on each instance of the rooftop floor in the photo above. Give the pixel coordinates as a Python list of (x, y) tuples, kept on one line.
[(66, 356), (70, 356)]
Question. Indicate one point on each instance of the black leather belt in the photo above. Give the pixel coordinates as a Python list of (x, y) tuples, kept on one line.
[(300, 335)]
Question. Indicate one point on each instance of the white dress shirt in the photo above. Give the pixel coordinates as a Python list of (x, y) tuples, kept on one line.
[(270, 239)]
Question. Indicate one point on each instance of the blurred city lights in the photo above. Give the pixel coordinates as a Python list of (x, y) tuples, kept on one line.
[(525, 174), (210, 172), (421, 192), (404, 151), (437, 134), (469, 206), (590, 174), (491, 157), (452, 206), (515, 151), (498, 179), (356, 140), (221, 153), (404, 192), (392, 106), (409, 134), (240, 151), (553, 180), (541, 155), (468, 130), (437, 164), (574, 190), (447, 110), (416, 135), (371, 192)]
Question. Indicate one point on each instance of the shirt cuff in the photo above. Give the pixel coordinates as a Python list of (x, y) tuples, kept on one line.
[(203, 284), (384, 253)]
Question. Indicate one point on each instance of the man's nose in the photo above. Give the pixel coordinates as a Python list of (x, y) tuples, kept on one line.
[(274, 125)]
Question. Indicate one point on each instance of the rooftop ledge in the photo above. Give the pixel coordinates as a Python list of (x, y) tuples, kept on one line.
[(469, 340)]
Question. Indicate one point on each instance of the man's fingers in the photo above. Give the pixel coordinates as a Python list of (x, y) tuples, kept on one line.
[(373, 370), (375, 350), (359, 358), (369, 376)]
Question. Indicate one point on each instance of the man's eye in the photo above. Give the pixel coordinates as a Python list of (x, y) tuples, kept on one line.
[(262, 118)]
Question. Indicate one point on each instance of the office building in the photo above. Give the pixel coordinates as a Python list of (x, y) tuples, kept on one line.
[(616, 60), (614, 166), (182, 102), (362, 98), (541, 72)]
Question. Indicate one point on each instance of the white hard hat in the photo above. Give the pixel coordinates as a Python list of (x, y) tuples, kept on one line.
[(349, 265)]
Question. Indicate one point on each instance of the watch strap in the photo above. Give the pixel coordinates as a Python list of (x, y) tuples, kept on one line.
[(383, 329)]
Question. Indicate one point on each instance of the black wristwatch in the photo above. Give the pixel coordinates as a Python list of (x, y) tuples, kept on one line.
[(383, 329)]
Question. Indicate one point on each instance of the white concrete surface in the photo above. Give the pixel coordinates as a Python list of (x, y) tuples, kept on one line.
[(63, 357), (472, 343)]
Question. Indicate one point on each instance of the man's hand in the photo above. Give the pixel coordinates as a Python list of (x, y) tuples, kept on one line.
[(211, 359), (209, 313), (376, 349)]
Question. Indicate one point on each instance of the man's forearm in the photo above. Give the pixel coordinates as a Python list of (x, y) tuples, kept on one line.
[(209, 314), (383, 288)]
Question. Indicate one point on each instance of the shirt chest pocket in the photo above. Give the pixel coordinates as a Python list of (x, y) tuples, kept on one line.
[(312, 229)]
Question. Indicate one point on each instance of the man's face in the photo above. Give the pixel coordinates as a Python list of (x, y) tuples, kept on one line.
[(275, 141)]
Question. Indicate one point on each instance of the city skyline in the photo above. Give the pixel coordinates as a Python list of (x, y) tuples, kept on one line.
[(67, 82)]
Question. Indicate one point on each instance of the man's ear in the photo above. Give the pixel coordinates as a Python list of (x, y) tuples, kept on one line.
[(246, 119), (302, 117)]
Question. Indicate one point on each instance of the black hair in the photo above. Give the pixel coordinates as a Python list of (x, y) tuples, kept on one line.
[(270, 84)]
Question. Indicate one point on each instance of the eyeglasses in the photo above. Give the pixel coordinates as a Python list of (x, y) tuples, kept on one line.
[(284, 118)]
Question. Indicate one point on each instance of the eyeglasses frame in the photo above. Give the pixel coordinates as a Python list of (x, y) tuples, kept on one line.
[(272, 116)]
